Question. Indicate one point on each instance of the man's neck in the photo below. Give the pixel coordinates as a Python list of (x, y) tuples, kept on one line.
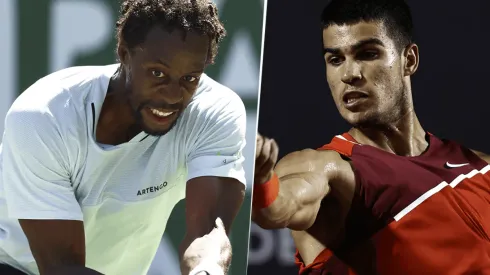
[(116, 123), (405, 137)]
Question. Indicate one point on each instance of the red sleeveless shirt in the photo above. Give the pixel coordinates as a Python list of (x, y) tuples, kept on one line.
[(428, 214)]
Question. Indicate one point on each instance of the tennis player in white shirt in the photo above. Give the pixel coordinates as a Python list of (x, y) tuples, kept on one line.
[(93, 159)]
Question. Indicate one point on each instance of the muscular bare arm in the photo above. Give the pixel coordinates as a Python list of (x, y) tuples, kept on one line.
[(58, 246), (303, 183)]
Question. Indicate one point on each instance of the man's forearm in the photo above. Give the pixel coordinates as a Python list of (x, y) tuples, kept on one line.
[(212, 204), (297, 197), (277, 214)]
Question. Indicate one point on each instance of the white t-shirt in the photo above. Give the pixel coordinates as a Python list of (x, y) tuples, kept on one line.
[(51, 167)]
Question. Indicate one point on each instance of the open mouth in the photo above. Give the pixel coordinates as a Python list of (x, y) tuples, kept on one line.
[(161, 113), (353, 97), (161, 116)]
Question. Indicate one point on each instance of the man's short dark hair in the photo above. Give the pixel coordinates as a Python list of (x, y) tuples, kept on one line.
[(137, 17), (395, 14)]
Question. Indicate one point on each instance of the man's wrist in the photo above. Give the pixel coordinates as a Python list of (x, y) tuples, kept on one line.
[(266, 193), (208, 268)]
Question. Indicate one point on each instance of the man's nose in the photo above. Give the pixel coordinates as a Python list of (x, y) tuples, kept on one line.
[(172, 93), (352, 72)]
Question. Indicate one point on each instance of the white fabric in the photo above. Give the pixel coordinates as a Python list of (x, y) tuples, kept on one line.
[(52, 168)]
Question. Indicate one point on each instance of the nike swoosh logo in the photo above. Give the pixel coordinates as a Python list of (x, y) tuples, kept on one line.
[(450, 165)]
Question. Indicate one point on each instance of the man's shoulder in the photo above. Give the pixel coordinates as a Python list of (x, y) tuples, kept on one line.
[(74, 77), (71, 83), (215, 112), (310, 160), (57, 98), (329, 152), (213, 103), (312, 155), (212, 95)]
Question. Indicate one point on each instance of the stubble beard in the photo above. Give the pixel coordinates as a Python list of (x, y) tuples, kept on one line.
[(384, 119)]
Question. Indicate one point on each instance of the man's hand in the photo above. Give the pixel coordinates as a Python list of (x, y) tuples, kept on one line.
[(266, 153), (213, 249)]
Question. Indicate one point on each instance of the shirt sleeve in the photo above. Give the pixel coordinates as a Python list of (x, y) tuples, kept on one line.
[(219, 146), (36, 177)]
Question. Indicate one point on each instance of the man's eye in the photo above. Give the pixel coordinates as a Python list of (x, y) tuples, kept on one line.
[(157, 74), (368, 55), (190, 78), (335, 60)]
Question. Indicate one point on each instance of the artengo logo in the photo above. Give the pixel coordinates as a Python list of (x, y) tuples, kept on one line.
[(152, 189)]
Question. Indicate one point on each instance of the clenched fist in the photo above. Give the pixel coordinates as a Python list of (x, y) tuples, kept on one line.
[(265, 158)]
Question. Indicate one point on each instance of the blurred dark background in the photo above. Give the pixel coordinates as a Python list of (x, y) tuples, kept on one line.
[(451, 90)]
